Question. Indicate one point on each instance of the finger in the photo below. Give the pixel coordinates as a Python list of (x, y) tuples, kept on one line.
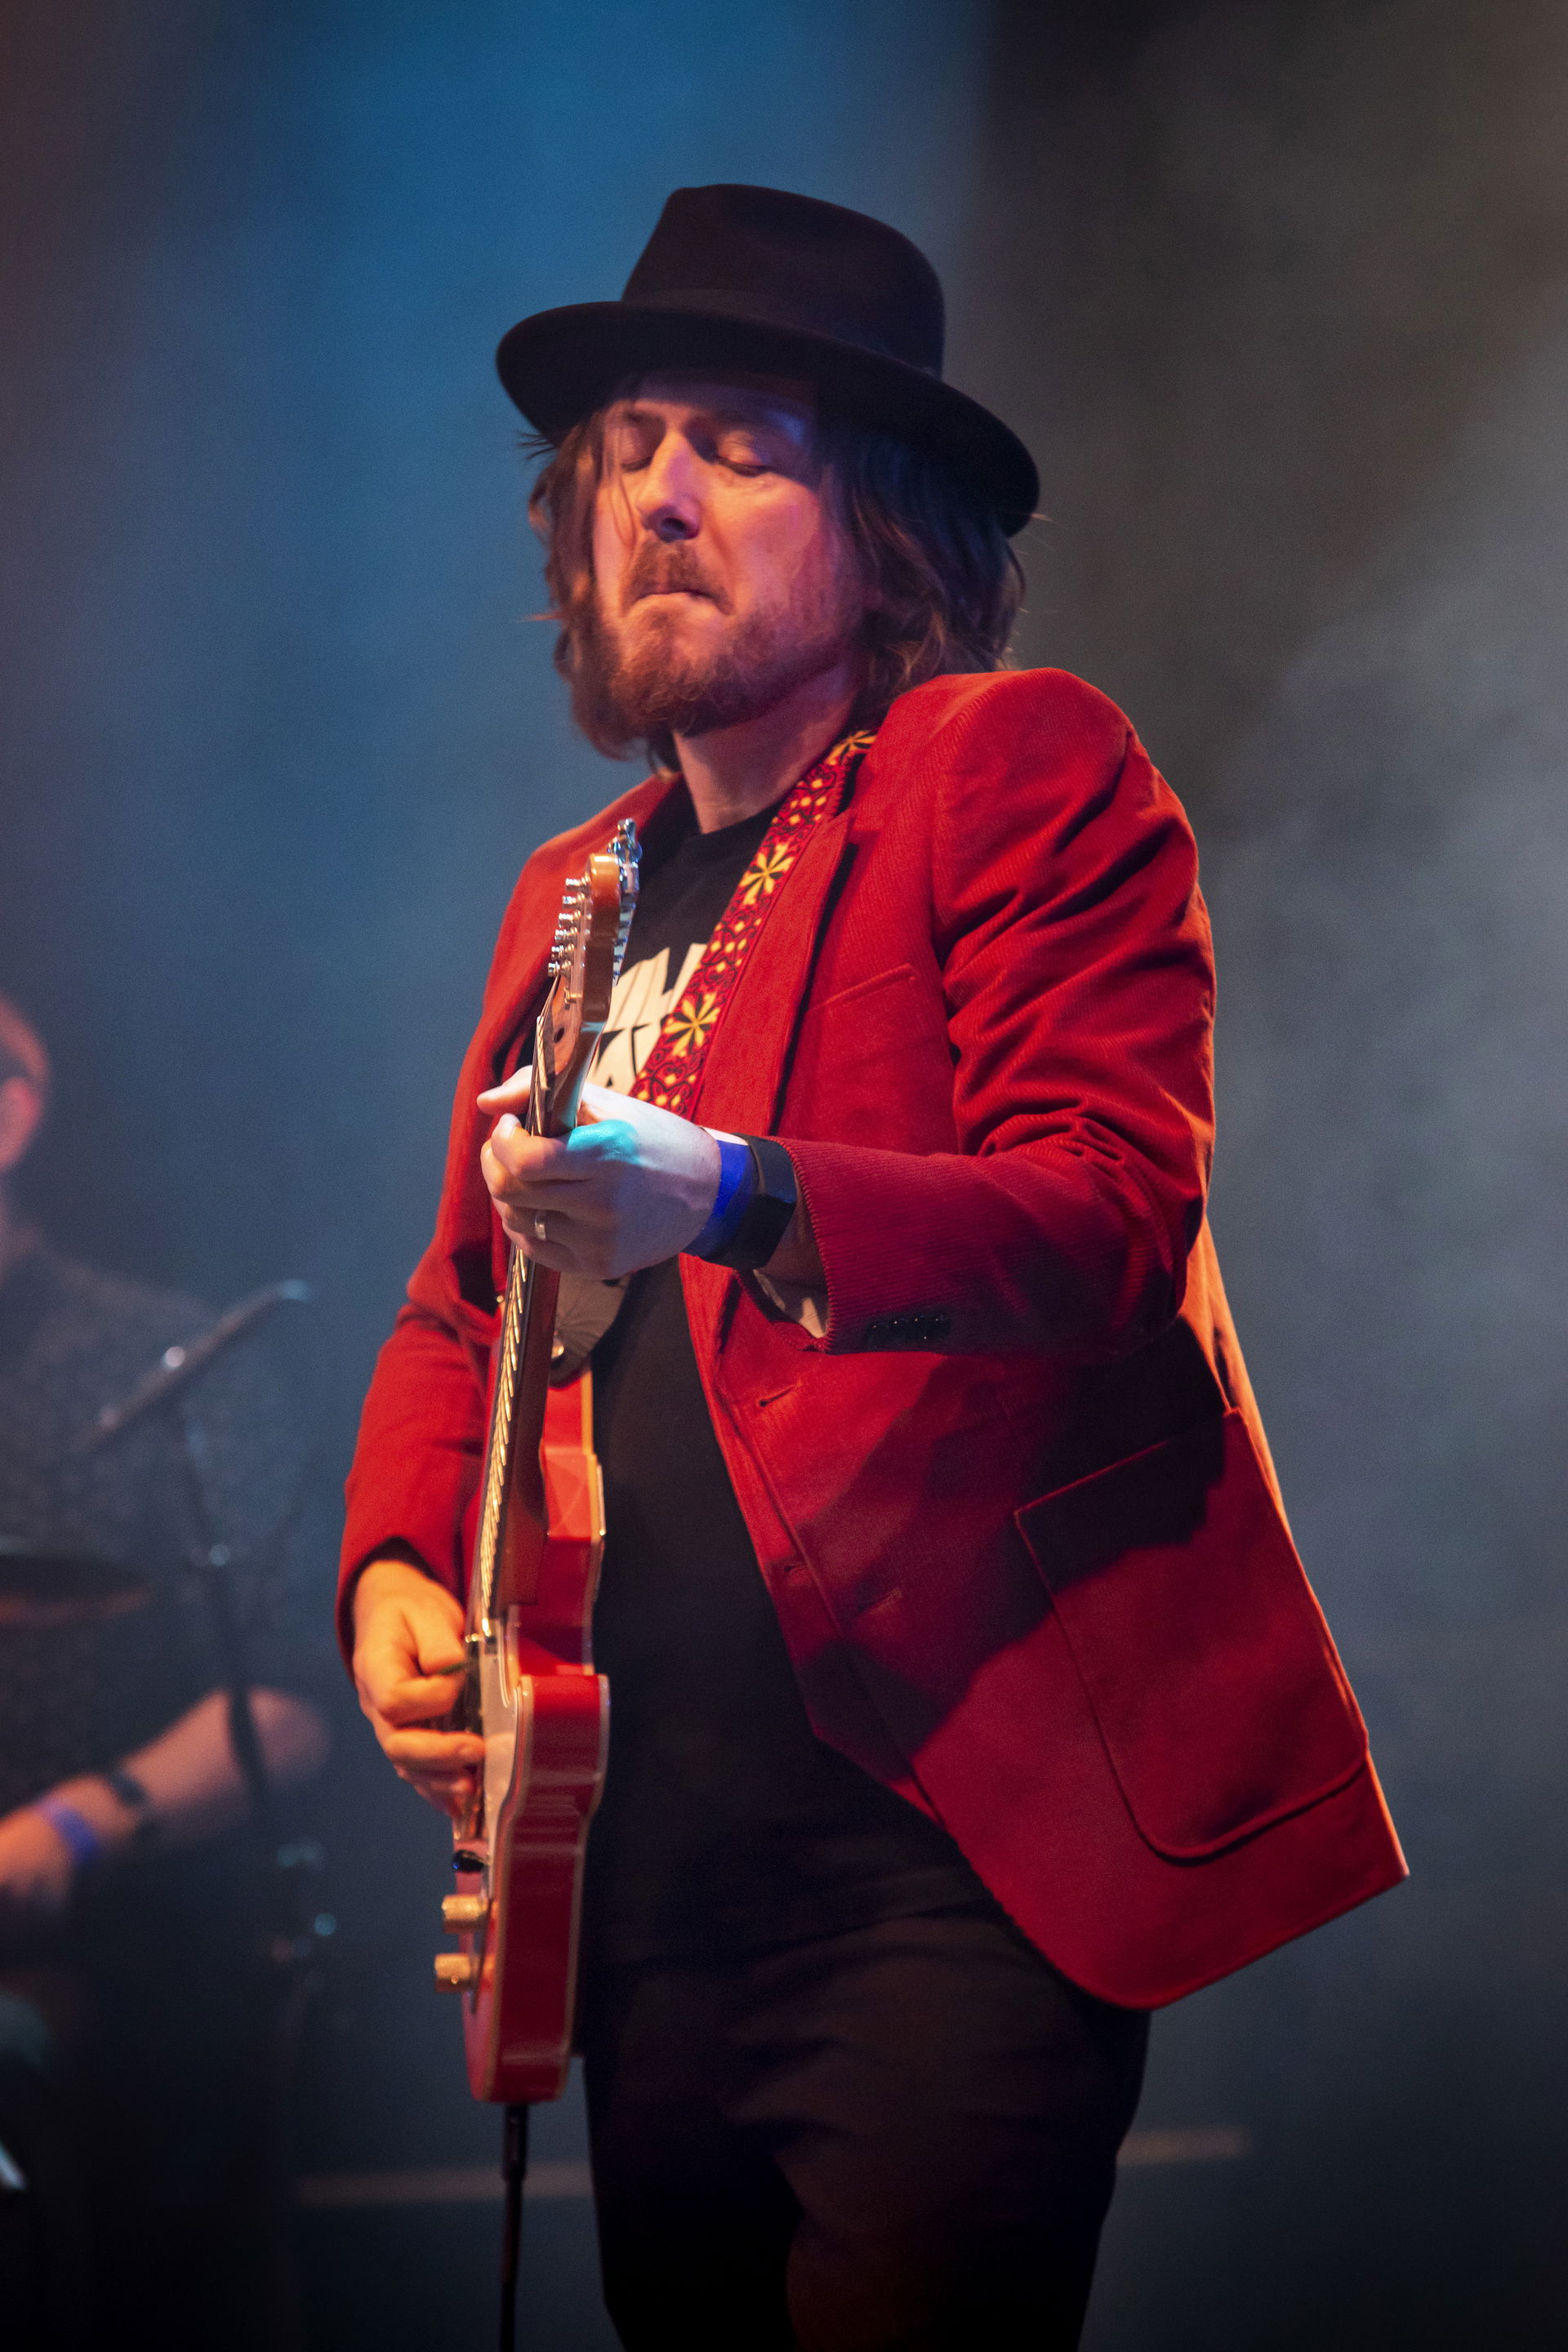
[(569, 1245), (519, 1202), (508, 1185), (436, 1776), (389, 1677), (454, 1793), (552, 1255), (441, 1666), (455, 1803), (425, 1749), (529, 1159), (511, 1094), (440, 1650), (420, 1698), (588, 1187), (441, 1788), (450, 1796), (412, 1655)]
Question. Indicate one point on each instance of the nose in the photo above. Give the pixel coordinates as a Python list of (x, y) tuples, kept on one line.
[(665, 499)]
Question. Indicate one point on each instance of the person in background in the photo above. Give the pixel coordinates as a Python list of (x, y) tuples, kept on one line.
[(128, 2101)]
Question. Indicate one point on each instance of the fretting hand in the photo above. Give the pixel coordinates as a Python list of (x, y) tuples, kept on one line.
[(629, 1187)]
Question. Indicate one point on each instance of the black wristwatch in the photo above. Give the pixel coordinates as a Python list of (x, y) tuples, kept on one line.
[(767, 1212)]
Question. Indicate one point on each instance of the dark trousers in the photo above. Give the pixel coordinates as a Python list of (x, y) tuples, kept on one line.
[(889, 2140)]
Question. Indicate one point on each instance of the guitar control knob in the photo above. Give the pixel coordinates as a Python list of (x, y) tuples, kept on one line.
[(465, 1911), (456, 1971)]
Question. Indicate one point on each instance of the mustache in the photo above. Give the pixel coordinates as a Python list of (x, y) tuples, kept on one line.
[(660, 570)]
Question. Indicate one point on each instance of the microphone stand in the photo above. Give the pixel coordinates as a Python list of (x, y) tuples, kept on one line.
[(289, 1948)]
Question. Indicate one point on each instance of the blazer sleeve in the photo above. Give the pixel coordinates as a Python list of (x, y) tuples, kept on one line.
[(422, 1429), (1074, 955), (416, 1463)]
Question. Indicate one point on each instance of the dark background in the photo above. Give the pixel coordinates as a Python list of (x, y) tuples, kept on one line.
[(1276, 291)]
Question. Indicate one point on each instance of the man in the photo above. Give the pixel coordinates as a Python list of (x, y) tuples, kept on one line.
[(968, 1697), (126, 2047)]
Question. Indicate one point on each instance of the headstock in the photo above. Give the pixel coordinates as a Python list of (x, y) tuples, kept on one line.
[(596, 912)]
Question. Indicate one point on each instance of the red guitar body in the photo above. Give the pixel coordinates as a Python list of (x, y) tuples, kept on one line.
[(545, 1717)]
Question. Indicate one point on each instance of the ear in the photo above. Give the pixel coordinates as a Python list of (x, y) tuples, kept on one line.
[(21, 1114)]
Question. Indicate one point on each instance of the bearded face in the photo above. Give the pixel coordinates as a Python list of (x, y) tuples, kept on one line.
[(722, 578)]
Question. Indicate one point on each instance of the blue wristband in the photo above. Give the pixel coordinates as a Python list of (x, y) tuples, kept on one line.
[(75, 1828), (737, 1182)]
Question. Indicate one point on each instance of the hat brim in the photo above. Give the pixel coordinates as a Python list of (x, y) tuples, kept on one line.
[(560, 365)]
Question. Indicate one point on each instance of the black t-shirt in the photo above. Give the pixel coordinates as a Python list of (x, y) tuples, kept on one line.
[(726, 1824)]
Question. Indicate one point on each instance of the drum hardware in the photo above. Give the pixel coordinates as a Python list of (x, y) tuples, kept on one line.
[(43, 1589)]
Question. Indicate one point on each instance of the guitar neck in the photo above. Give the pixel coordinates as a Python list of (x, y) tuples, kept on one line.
[(590, 940), (507, 1448), (512, 1517)]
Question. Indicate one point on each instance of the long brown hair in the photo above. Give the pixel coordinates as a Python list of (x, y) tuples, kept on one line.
[(942, 583)]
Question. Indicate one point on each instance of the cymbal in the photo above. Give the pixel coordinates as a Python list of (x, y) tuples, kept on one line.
[(46, 1589)]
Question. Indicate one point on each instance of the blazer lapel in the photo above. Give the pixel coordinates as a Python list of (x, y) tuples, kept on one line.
[(748, 1054)]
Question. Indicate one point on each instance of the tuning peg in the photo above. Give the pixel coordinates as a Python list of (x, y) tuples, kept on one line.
[(456, 1971)]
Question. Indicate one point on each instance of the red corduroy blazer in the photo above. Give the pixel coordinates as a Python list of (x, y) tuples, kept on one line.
[(1015, 1510)]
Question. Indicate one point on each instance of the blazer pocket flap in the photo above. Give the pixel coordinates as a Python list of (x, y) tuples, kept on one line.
[(1216, 1688)]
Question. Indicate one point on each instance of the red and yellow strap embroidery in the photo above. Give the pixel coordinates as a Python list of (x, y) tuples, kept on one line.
[(671, 1074)]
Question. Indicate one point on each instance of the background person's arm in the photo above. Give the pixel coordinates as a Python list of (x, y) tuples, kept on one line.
[(194, 1787)]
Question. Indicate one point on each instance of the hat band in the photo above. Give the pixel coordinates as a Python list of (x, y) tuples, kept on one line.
[(757, 310)]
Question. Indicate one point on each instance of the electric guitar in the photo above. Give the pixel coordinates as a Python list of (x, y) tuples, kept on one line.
[(532, 1692)]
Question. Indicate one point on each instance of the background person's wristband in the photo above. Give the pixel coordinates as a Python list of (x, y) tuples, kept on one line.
[(768, 1211), (75, 1828), (135, 1799), (737, 1181)]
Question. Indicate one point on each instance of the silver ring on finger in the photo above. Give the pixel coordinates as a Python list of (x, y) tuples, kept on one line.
[(539, 1233)]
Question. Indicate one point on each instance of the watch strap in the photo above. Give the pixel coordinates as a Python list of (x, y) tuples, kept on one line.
[(769, 1208), (134, 1796)]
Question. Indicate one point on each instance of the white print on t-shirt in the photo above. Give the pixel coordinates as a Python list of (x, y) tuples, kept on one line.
[(644, 993)]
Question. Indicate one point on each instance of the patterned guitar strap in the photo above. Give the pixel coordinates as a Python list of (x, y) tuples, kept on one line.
[(673, 1071)]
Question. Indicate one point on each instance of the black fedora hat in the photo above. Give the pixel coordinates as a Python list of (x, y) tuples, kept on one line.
[(761, 281)]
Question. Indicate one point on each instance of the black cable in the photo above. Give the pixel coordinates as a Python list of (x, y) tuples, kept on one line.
[(514, 2171)]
